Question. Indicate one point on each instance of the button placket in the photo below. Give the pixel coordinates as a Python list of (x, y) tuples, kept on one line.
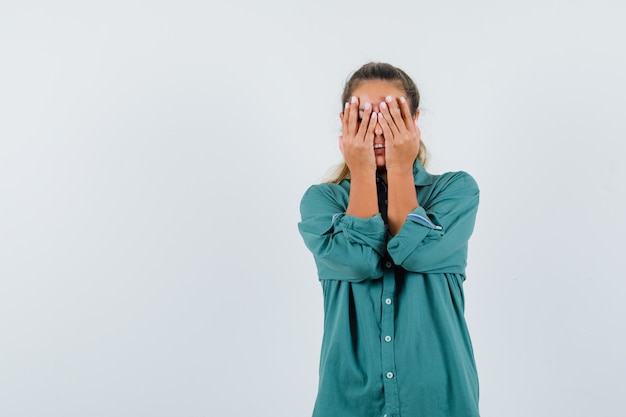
[(388, 370)]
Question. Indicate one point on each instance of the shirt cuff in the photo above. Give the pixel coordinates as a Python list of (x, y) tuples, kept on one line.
[(368, 231)]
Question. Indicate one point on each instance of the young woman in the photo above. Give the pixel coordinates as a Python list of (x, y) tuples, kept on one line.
[(390, 244)]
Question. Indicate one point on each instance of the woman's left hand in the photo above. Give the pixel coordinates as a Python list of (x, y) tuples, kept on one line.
[(402, 136)]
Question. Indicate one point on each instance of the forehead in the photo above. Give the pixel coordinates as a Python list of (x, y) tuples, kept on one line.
[(375, 91)]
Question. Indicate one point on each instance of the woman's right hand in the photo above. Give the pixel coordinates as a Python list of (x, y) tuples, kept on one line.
[(357, 137)]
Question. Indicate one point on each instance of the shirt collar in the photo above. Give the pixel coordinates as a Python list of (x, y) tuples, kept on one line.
[(421, 176)]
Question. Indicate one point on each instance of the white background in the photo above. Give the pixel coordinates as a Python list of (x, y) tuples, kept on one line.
[(153, 156)]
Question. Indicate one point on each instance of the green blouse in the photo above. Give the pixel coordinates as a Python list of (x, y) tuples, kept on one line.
[(395, 340)]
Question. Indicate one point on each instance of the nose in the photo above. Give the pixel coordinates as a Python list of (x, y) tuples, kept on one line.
[(378, 130)]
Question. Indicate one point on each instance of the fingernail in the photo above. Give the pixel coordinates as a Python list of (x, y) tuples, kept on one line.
[(383, 105), (368, 106), (389, 99), (380, 115), (373, 115), (402, 100), (354, 100), (347, 105)]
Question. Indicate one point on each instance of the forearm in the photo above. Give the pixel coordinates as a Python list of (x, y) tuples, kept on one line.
[(345, 247), (363, 200), (402, 198)]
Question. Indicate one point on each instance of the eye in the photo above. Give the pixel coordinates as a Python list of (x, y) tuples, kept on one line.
[(360, 115)]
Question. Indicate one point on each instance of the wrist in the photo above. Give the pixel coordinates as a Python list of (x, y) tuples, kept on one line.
[(399, 171), (363, 173)]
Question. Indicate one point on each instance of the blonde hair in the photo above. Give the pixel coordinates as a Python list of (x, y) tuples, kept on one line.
[(384, 72)]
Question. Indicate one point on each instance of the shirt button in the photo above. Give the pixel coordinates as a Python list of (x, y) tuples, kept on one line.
[(388, 301), (388, 264), (389, 375), (387, 338)]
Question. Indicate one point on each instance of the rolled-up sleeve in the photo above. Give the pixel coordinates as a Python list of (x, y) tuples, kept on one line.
[(349, 247), (434, 236)]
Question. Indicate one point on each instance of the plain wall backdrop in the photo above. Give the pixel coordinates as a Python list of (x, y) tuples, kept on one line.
[(152, 159)]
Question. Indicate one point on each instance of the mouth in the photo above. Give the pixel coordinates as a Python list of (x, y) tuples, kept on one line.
[(379, 146)]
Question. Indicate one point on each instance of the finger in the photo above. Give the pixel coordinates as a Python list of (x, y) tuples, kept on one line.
[(353, 114), (344, 120), (369, 135), (407, 117), (365, 120), (395, 112), (384, 110)]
